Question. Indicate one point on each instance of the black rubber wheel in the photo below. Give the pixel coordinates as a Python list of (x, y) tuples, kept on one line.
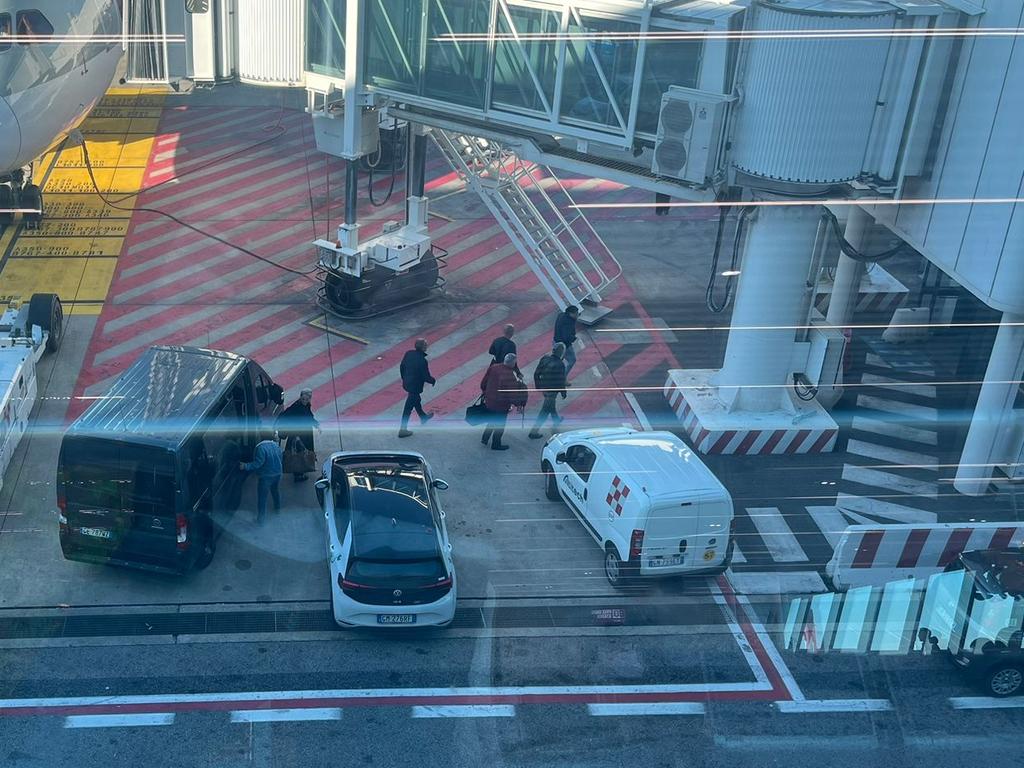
[(342, 292), (6, 203), (614, 569), (550, 483), (209, 549), (45, 311), (1004, 679), (31, 196)]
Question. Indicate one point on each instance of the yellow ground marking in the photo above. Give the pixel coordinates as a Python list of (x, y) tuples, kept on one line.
[(79, 206), (84, 228), (46, 247), (320, 325), (74, 253), (71, 279)]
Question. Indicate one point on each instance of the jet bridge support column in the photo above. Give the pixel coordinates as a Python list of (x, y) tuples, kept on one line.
[(749, 405), (988, 439), (846, 286)]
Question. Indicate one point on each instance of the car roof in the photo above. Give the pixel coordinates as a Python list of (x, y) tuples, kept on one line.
[(161, 397), (660, 461)]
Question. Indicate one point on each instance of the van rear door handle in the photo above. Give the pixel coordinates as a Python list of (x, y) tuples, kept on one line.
[(584, 494)]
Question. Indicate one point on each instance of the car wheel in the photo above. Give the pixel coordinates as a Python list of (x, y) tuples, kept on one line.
[(614, 569), (45, 310), (1004, 680), (550, 483)]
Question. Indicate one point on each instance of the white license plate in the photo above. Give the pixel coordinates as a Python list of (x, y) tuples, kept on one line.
[(97, 533), (396, 618), (663, 562)]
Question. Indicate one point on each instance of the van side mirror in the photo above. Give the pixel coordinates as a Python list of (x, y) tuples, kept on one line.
[(440, 484), (560, 458)]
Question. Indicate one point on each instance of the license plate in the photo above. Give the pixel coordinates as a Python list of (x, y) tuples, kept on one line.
[(663, 562), (97, 533), (396, 618)]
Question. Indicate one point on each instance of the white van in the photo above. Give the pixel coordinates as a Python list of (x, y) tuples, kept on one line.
[(645, 497)]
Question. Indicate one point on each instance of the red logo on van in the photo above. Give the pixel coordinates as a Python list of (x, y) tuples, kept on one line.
[(616, 494)]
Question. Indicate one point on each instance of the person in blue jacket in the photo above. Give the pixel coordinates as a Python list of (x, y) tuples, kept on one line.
[(268, 466)]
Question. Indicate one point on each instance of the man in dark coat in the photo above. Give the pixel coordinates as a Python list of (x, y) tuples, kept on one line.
[(502, 389), (565, 333), (296, 423), (549, 378), (503, 345), (415, 375)]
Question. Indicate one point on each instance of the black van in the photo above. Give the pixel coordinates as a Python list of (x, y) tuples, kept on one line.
[(144, 470)]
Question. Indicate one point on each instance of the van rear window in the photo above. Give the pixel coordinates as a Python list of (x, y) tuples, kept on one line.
[(107, 476)]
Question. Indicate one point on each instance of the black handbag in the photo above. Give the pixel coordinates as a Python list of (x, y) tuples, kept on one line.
[(477, 413)]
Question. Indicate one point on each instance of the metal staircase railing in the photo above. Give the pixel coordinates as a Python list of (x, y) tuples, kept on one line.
[(567, 255)]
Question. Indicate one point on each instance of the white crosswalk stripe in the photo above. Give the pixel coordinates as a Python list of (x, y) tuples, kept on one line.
[(778, 538)]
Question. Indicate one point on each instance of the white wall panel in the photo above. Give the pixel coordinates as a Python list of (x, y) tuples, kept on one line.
[(270, 41)]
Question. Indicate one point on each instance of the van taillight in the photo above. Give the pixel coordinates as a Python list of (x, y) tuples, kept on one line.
[(636, 544), (181, 523)]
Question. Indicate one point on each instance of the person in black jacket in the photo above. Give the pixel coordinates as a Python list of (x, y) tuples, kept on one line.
[(565, 332), (297, 423), (549, 378), (503, 345), (415, 375)]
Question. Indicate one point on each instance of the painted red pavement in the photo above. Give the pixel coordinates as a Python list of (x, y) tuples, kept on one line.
[(175, 286)]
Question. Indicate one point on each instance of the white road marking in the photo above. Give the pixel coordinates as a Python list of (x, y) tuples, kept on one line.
[(773, 653), (907, 410), (776, 583), (778, 538), (830, 522), (285, 715), (654, 708), (896, 385), (469, 710), (645, 423), (737, 634), (737, 554), (985, 702), (921, 368), (890, 481), (958, 743), (118, 721), (893, 455), (834, 705), (884, 509), (890, 428)]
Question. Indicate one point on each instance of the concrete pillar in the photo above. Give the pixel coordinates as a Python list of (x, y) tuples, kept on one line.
[(769, 301), (986, 445), (846, 286)]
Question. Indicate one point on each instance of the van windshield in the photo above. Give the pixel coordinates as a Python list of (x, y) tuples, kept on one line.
[(105, 475)]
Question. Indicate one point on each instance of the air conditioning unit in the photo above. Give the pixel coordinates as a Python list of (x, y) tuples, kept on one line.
[(690, 127)]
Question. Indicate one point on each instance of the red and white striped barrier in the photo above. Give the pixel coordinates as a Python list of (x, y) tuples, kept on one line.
[(745, 441), (870, 555)]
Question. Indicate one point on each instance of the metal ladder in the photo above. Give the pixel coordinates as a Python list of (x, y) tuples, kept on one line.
[(562, 252)]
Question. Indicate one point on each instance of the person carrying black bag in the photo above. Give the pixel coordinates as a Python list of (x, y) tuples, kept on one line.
[(549, 378), (295, 426), (502, 389)]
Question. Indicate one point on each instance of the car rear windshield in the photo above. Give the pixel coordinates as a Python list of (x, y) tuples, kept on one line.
[(396, 573), (110, 475)]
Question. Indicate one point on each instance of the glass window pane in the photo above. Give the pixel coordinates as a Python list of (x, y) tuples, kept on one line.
[(666, 62), (892, 630), (325, 38), (394, 43), (598, 72), (517, 63), (945, 601), (458, 68), (850, 634)]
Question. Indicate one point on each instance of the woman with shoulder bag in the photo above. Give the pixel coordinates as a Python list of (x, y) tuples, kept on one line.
[(295, 426)]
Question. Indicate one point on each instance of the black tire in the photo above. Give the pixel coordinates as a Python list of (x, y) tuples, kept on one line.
[(1004, 679), (728, 559), (45, 311), (343, 292), (550, 483), (31, 196), (209, 548), (614, 568), (6, 203)]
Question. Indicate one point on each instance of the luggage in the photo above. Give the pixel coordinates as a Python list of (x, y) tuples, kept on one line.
[(477, 413), (298, 460)]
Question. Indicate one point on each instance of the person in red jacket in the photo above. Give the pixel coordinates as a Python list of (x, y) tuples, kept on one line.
[(502, 389)]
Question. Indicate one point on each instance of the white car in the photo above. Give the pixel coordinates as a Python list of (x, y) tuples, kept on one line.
[(646, 499), (387, 545)]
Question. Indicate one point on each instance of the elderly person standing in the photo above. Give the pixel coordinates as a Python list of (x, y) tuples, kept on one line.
[(549, 378), (297, 423), (502, 389)]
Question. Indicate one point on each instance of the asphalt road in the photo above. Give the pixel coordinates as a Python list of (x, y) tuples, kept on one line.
[(517, 697)]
